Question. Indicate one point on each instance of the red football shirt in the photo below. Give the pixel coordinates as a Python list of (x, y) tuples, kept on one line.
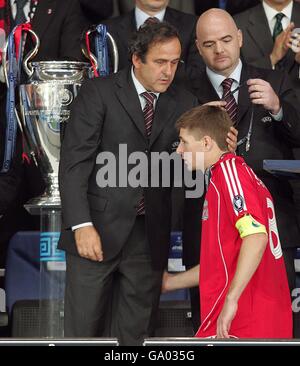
[(264, 308)]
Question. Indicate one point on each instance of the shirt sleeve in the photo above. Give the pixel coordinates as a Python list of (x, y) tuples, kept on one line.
[(243, 198)]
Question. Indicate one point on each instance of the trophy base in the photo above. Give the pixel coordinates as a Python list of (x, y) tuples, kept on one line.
[(35, 205)]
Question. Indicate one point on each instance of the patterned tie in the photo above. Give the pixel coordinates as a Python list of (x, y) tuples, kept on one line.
[(151, 20), (148, 113), (278, 25), (231, 106), (20, 15)]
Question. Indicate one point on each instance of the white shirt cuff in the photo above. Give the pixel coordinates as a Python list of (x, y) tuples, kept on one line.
[(278, 116), (81, 225)]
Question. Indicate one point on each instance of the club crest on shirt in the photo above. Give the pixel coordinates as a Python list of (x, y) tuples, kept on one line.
[(238, 203), (205, 211)]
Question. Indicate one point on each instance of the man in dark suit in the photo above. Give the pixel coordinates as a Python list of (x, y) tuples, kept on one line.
[(117, 238), (267, 40), (232, 6), (266, 114), (123, 27)]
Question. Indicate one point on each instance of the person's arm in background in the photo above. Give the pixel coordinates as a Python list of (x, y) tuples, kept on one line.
[(172, 282)]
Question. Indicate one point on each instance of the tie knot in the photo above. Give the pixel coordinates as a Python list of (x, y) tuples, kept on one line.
[(149, 97), (151, 20), (226, 84), (279, 17)]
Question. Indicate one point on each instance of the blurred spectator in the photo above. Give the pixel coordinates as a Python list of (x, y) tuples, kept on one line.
[(125, 25), (267, 41), (232, 6)]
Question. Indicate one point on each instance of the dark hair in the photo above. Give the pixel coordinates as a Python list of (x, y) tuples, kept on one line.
[(148, 35), (207, 120)]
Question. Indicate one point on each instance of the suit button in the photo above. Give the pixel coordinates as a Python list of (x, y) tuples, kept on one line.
[(146, 151)]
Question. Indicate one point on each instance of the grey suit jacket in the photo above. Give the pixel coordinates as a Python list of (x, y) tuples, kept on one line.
[(258, 42), (105, 114)]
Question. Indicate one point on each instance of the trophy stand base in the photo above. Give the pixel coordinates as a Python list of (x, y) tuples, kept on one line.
[(35, 205), (52, 274)]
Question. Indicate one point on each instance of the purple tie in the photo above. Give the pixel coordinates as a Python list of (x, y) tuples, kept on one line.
[(148, 113), (231, 106)]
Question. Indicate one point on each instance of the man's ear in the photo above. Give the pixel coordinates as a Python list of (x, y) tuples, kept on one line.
[(197, 45), (207, 143), (240, 38), (136, 61)]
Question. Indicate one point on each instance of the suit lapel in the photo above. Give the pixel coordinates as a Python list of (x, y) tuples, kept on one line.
[(244, 102), (164, 111), (128, 97), (44, 14), (259, 30), (203, 89), (127, 26)]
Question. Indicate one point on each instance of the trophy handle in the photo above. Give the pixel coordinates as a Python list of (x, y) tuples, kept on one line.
[(29, 56), (28, 69), (114, 50)]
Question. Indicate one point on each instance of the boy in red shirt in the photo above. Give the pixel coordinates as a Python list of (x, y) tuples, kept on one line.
[(244, 291)]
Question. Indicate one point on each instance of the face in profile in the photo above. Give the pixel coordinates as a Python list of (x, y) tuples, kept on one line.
[(157, 71), (219, 41), (191, 150)]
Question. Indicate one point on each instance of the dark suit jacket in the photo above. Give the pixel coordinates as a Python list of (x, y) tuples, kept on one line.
[(96, 11), (123, 27), (107, 113), (269, 140), (258, 42), (233, 6), (59, 25)]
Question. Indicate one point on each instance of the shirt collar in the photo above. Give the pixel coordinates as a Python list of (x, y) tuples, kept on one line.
[(271, 12), (139, 87), (141, 17), (217, 79)]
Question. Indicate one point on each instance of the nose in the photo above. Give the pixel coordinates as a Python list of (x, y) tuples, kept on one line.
[(219, 47), (168, 69), (179, 149)]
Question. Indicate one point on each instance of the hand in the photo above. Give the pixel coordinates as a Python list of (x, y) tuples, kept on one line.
[(217, 103), (88, 243), (297, 57), (262, 93), (282, 44), (225, 318), (232, 139)]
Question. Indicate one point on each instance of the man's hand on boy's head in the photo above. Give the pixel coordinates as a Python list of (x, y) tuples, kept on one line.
[(232, 139)]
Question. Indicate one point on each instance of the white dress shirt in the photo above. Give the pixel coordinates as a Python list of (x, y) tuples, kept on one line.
[(26, 8), (217, 79), (271, 15), (141, 17)]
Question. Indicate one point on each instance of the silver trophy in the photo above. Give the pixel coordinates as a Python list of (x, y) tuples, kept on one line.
[(45, 101), (45, 106)]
